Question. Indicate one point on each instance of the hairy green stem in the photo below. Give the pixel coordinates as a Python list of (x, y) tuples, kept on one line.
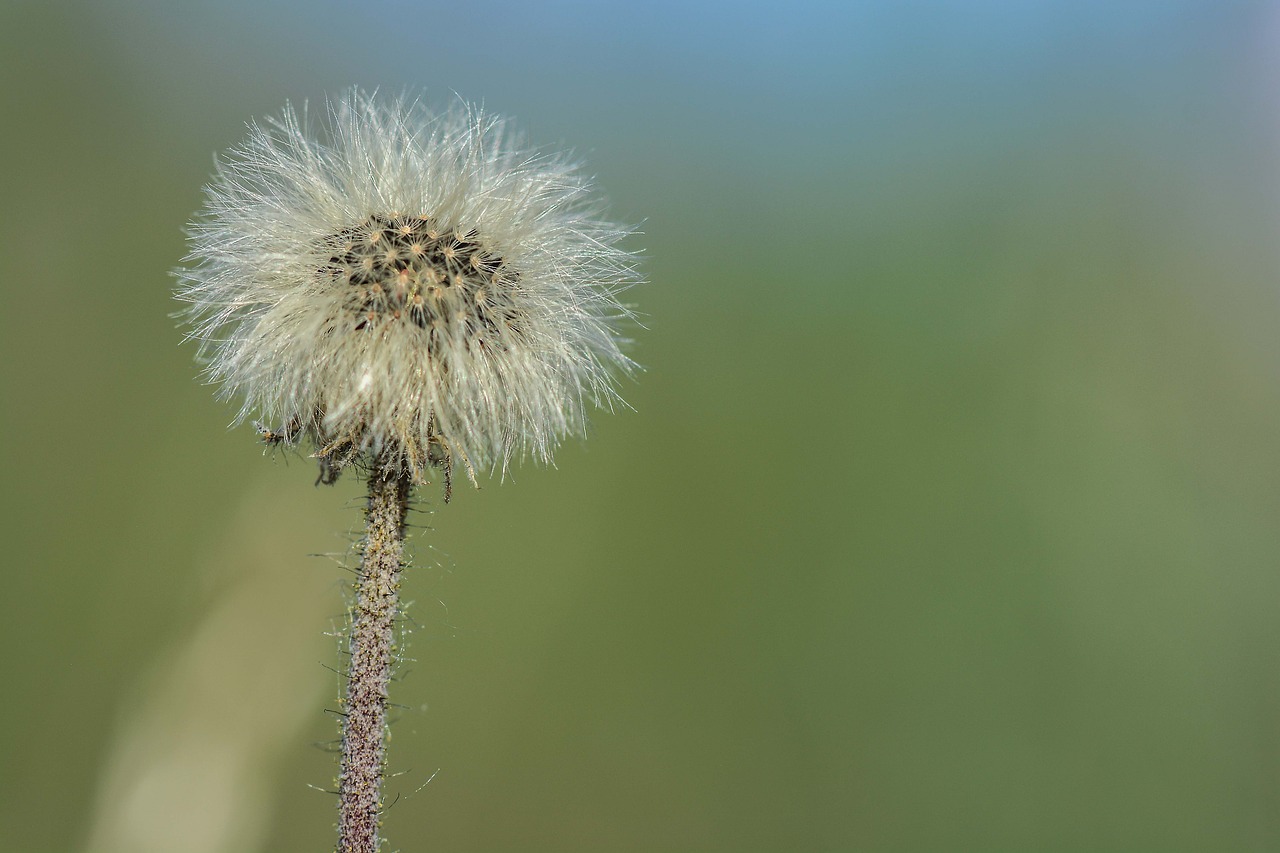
[(372, 626)]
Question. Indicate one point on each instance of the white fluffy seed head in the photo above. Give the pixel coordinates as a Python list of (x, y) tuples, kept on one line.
[(406, 286)]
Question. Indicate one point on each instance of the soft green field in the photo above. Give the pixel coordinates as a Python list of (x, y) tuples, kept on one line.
[(945, 520)]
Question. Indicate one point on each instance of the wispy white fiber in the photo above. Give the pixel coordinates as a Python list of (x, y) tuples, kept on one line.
[(407, 285)]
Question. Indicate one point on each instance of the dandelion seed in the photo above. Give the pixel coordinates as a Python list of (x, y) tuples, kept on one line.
[(408, 286)]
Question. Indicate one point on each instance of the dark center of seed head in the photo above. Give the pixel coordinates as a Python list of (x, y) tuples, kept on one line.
[(442, 280)]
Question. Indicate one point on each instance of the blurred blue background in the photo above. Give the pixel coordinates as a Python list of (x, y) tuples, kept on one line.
[(945, 519)]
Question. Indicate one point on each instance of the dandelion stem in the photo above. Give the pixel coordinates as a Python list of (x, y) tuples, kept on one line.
[(372, 623)]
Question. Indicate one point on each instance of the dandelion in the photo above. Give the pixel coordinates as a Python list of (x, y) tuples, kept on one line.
[(405, 291), (408, 287)]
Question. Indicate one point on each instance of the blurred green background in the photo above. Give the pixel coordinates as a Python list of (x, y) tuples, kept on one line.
[(945, 519)]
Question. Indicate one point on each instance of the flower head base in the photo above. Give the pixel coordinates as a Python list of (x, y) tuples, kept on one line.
[(406, 288)]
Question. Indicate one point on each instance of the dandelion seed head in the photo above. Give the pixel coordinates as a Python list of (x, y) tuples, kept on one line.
[(405, 285)]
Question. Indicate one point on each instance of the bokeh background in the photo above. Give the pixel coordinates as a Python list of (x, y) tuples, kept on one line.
[(946, 517)]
